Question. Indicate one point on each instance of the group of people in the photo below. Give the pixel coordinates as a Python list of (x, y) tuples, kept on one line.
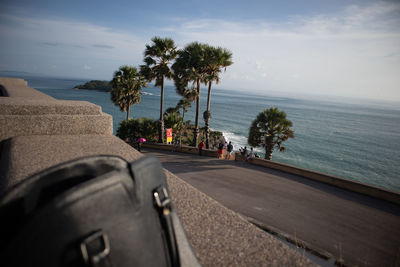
[(245, 153), (228, 147)]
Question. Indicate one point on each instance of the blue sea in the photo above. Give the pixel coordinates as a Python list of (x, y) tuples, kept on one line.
[(353, 139)]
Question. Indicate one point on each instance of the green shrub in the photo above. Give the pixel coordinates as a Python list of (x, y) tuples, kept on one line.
[(131, 129)]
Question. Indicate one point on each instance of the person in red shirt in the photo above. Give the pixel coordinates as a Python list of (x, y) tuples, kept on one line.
[(201, 146)]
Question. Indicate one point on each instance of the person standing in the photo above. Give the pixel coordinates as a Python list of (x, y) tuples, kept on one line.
[(229, 150), (220, 149), (201, 147), (251, 155)]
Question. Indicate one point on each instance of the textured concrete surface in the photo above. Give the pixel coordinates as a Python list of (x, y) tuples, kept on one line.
[(11, 87), (20, 125), (34, 106), (25, 111), (362, 230), (6, 81), (218, 236)]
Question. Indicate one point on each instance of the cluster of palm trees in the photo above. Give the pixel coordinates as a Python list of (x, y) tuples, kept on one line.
[(189, 67)]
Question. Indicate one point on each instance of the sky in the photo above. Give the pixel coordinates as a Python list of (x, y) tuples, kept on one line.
[(345, 48)]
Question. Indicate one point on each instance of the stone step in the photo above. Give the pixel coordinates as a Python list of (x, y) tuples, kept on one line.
[(22, 125), (14, 87), (21, 106)]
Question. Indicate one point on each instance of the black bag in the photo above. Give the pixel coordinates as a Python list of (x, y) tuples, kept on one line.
[(95, 211)]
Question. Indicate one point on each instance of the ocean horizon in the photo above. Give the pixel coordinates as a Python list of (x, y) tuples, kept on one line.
[(350, 138)]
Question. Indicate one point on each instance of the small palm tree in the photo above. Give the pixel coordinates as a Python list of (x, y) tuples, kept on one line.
[(126, 88), (190, 67), (217, 60), (158, 56), (183, 104), (173, 120), (188, 96), (270, 129)]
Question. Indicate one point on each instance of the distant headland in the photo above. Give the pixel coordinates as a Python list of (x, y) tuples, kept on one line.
[(97, 85)]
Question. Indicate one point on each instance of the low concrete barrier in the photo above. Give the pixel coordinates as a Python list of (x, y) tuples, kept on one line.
[(183, 149), (25, 111), (354, 186)]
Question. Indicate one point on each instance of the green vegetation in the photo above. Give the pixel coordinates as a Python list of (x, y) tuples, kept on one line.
[(173, 120), (195, 64), (199, 63), (270, 129), (96, 85), (131, 129), (126, 88), (158, 57)]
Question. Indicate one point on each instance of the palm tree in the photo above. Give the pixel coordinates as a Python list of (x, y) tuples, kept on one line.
[(190, 67), (217, 60), (183, 104), (271, 129), (158, 56), (188, 96), (126, 88), (173, 120)]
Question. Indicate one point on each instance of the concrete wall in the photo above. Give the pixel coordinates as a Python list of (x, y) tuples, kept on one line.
[(183, 149), (187, 149)]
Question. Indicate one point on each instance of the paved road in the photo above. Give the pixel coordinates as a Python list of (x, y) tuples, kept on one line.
[(359, 229)]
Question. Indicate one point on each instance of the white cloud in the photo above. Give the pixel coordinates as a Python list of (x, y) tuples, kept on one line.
[(70, 43), (86, 67), (353, 53)]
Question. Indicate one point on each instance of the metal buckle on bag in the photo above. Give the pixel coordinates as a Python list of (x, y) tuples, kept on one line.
[(161, 197), (92, 253)]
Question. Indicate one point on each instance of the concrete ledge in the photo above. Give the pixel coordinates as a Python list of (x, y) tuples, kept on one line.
[(20, 125), (183, 149), (18, 106), (13, 87), (26, 111), (354, 186), (5, 81)]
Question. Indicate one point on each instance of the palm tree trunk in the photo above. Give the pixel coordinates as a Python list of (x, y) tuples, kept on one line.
[(268, 151), (127, 112), (196, 127), (207, 119), (161, 122), (180, 134)]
